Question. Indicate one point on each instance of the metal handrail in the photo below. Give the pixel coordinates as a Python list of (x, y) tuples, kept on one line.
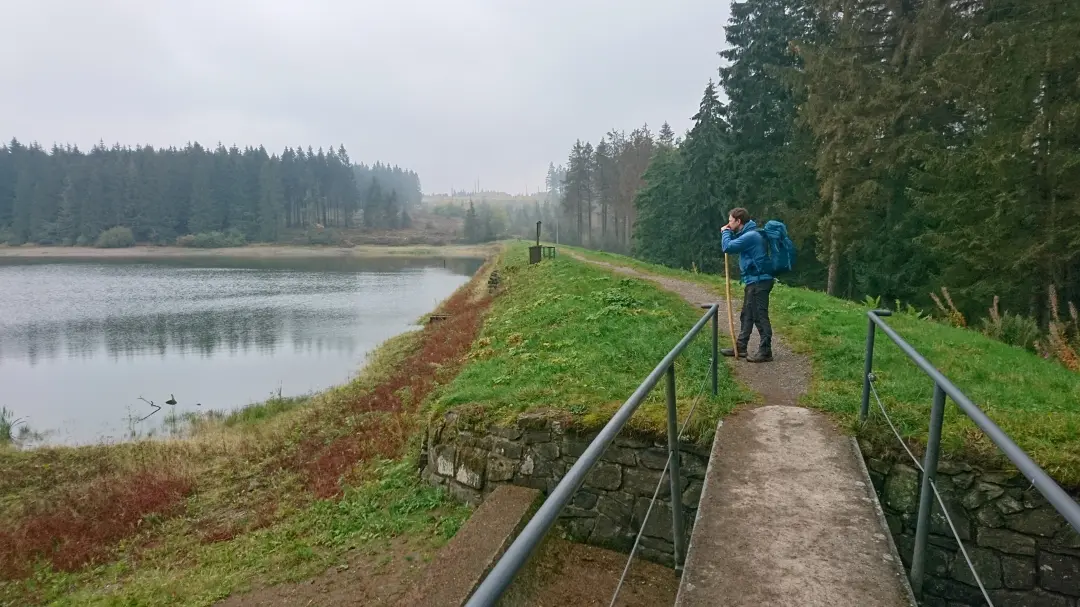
[(502, 575), (1054, 494)]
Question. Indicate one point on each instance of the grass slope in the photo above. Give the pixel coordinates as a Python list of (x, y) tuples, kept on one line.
[(185, 570), (1033, 400), (575, 338)]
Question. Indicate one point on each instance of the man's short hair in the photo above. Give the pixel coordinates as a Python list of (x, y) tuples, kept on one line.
[(741, 214)]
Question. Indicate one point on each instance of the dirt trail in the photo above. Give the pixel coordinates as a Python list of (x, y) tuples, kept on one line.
[(780, 382)]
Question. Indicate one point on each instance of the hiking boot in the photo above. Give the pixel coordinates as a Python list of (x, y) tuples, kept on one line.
[(729, 352), (760, 357)]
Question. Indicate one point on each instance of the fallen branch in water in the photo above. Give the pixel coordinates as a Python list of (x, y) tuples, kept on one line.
[(156, 407)]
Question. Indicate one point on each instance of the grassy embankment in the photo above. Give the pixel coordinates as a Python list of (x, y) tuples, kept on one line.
[(275, 493), (577, 340), (1033, 400)]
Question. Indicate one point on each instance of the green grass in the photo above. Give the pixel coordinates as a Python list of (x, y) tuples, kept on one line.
[(577, 339), (8, 423), (13, 430), (183, 571), (260, 412), (1033, 400)]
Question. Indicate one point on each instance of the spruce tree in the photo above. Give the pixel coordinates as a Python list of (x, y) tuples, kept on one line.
[(271, 200), (666, 136), (472, 225), (769, 148)]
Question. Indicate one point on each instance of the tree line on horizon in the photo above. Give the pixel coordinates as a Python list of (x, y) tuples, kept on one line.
[(909, 146), (485, 221), (597, 186), (64, 196)]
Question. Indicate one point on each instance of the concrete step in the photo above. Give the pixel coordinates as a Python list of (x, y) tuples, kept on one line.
[(788, 517), (459, 566)]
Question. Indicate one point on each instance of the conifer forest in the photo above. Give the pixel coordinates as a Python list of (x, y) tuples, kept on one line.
[(909, 145)]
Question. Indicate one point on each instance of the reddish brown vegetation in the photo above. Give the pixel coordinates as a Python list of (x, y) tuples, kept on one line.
[(1059, 343), (954, 316), (264, 517), (79, 528), (442, 348)]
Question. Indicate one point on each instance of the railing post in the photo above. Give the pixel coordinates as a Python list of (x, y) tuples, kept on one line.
[(868, 367), (926, 496), (715, 348), (676, 481)]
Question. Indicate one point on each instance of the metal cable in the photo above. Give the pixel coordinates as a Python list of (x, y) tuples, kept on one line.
[(697, 401), (656, 493), (933, 486), (903, 443), (641, 531)]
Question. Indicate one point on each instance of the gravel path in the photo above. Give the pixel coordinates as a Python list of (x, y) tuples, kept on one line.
[(780, 382)]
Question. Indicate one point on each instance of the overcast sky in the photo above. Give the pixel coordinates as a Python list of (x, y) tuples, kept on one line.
[(453, 89)]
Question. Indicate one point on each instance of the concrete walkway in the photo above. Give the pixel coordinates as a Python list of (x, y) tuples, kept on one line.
[(786, 518), (787, 514)]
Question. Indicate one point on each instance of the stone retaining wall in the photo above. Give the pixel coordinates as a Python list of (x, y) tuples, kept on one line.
[(537, 451), (1024, 551)]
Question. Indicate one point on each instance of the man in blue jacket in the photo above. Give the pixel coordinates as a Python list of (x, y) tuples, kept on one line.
[(740, 236)]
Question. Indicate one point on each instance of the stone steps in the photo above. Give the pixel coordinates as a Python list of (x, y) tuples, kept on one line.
[(460, 565)]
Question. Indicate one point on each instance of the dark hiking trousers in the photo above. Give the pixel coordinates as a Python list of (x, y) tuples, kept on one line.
[(755, 313)]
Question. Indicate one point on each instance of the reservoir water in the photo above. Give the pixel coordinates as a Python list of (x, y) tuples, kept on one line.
[(84, 344)]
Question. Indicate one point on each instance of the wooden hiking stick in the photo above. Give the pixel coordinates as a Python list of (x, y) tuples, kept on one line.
[(730, 318)]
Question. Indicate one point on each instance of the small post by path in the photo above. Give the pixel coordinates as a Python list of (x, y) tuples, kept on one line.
[(536, 252)]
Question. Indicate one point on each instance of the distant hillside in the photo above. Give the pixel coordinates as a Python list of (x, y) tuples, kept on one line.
[(461, 198)]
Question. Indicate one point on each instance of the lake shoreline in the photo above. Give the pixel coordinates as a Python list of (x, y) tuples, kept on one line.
[(221, 331), (266, 495), (251, 252)]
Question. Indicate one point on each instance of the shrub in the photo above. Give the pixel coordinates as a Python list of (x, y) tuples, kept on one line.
[(115, 238), (952, 315), (82, 241), (316, 236), (1013, 329), (1062, 338), (213, 240)]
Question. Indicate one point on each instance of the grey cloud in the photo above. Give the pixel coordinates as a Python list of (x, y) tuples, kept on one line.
[(493, 89)]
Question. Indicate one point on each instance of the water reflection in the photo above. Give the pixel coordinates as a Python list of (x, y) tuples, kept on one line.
[(261, 330), (224, 333)]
